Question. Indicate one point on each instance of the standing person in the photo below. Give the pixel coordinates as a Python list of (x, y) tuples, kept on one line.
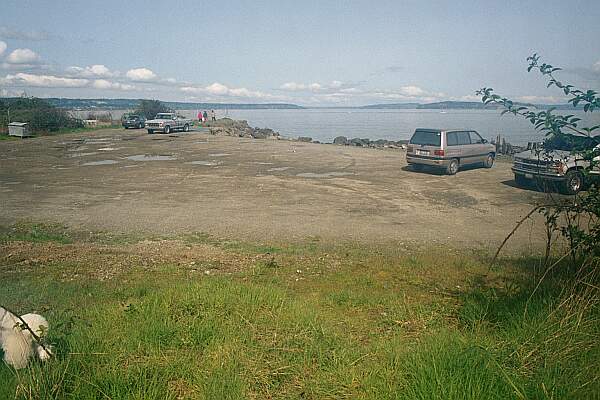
[(204, 116), (200, 117), (213, 116)]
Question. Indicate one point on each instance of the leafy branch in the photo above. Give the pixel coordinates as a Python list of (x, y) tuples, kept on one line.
[(577, 220), (547, 121)]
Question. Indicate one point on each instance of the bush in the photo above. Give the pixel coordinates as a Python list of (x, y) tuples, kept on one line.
[(149, 108), (102, 117), (41, 115)]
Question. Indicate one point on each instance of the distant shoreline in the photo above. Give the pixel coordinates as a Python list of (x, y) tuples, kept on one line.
[(79, 104)]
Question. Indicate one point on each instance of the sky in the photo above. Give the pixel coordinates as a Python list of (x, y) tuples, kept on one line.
[(311, 53)]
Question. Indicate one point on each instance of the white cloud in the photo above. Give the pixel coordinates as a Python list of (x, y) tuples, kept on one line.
[(220, 90), (217, 89), (596, 66), (23, 56), (104, 84), (293, 86), (97, 70), (302, 87), (315, 87), (141, 75), (2, 47), (412, 91), (47, 81)]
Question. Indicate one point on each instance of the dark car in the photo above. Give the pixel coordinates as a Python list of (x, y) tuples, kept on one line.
[(134, 121)]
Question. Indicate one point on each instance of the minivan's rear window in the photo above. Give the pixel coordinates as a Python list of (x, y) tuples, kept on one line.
[(426, 138)]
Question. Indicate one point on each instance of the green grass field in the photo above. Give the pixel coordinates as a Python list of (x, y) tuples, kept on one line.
[(216, 319)]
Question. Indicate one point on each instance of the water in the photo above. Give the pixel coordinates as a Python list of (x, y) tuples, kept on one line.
[(325, 124)]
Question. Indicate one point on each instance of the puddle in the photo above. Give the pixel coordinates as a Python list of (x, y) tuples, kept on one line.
[(148, 157), (109, 148), (205, 163), (80, 148), (278, 169), (97, 141), (82, 154), (323, 175), (219, 155), (102, 162)]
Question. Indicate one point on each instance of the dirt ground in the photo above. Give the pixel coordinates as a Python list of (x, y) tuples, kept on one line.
[(256, 190)]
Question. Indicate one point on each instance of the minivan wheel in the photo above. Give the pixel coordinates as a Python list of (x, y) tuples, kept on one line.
[(452, 168), (489, 161), (573, 182)]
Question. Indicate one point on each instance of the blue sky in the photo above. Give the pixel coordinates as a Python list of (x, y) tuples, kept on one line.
[(305, 52)]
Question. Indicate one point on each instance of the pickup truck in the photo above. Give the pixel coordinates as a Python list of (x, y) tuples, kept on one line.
[(569, 170), (167, 123)]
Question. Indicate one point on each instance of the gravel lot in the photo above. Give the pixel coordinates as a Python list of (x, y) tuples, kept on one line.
[(258, 190)]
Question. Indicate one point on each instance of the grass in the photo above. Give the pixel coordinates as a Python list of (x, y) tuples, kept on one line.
[(299, 321), (35, 232), (5, 136)]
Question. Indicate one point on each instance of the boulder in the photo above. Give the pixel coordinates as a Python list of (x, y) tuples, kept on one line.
[(305, 139), (341, 140)]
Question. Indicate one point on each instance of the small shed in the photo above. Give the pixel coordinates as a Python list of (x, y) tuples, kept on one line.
[(20, 129)]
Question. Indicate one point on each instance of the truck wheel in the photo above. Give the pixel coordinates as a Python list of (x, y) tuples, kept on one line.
[(452, 168), (150, 131), (489, 161), (573, 182), (186, 128), (520, 180), (167, 129), (140, 125)]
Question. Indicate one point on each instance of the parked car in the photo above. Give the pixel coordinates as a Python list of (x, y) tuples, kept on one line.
[(134, 121), (562, 168), (448, 149), (168, 122)]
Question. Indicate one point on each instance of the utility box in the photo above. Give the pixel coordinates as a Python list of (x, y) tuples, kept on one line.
[(20, 129)]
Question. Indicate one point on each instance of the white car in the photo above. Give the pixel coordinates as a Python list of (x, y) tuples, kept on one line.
[(167, 123)]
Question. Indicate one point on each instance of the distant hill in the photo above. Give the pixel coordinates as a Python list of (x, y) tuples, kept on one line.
[(130, 104), (127, 104)]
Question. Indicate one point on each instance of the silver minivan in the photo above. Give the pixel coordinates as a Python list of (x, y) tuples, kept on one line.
[(448, 149)]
